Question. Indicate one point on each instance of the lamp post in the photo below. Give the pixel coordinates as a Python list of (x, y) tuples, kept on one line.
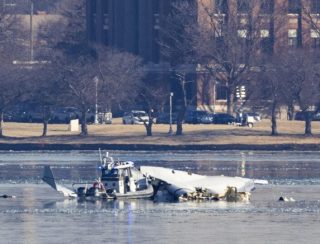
[(96, 80), (170, 113), (31, 31)]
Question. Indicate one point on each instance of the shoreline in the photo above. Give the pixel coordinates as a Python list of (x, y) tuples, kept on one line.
[(27, 136), (157, 147)]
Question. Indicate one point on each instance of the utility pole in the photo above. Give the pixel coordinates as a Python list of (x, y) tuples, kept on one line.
[(31, 30), (170, 129), (96, 80)]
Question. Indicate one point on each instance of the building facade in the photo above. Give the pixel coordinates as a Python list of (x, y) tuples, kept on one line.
[(133, 26)]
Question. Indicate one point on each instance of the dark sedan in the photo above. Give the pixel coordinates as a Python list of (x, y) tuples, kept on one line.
[(301, 115), (164, 118), (222, 118), (198, 117)]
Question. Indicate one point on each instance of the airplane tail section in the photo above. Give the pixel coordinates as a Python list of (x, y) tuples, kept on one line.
[(49, 179)]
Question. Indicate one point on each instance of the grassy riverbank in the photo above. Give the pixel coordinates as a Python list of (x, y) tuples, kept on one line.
[(290, 133)]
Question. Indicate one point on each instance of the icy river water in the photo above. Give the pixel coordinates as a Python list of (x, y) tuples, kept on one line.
[(40, 215)]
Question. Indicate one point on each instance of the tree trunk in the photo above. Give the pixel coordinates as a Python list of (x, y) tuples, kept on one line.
[(230, 101), (179, 131), (180, 119), (84, 127), (183, 108), (149, 129), (274, 130), (1, 123), (45, 127), (290, 111), (308, 130), (149, 125), (45, 120)]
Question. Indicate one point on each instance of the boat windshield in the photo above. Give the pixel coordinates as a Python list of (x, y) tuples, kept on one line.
[(113, 173)]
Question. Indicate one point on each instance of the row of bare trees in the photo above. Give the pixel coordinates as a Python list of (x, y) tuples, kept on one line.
[(235, 46), (72, 70)]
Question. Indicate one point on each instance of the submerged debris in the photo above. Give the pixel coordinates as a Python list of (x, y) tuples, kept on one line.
[(7, 196), (286, 199), (231, 195)]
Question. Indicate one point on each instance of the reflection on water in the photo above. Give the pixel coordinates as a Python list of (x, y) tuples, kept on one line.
[(40, 215), (77, 166)]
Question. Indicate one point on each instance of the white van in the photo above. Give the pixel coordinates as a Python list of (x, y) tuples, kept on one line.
[(135, 117)]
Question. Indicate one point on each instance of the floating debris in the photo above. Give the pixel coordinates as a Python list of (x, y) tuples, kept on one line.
[(7, 196), (286, 199)]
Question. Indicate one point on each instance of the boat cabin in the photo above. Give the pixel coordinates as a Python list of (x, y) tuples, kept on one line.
[(120, 179)]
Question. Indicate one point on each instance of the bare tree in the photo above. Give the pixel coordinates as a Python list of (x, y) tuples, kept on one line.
[(11, 88), (224, 43), (11, 76), (153, 95), (272, 89), (120, 75), (177, 50), (89, 72), (292, 78), (73, 56), (44, 91), (78, 82), (304, 84)]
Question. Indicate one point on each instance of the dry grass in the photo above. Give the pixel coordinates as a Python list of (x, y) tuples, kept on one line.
[(291, 132)]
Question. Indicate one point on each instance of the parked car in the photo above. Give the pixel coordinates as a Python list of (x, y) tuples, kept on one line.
[(65, 114), (301, 115), (205, 118), (198, 117), (255, 116), (247, 119), (135, 117), (222, 118), (33, 115), (13, 114), (8, 117), (105, 118), (164, 118)]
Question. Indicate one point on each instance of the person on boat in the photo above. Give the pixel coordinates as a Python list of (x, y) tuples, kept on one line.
[(99, 185)]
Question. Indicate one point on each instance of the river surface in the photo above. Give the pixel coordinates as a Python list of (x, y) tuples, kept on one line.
[(40, 215)]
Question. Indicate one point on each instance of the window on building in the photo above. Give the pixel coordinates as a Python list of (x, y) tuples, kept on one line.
[(221, 92), (156, 15), (105, 23), (242, 33), (294, 6), (221, 6), (156, 21), (315, 6), (292, 37), (266, 44), (243, 6), (266, 7), (315, 38), (264, 33)]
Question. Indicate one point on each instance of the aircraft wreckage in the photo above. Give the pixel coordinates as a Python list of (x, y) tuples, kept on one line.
[(185, 185), (123, 180)]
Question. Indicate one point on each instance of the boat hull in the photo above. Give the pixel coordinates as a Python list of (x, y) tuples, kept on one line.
[(146, 193)]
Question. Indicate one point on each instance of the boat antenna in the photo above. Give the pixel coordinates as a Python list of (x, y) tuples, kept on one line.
[(100, 156)]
